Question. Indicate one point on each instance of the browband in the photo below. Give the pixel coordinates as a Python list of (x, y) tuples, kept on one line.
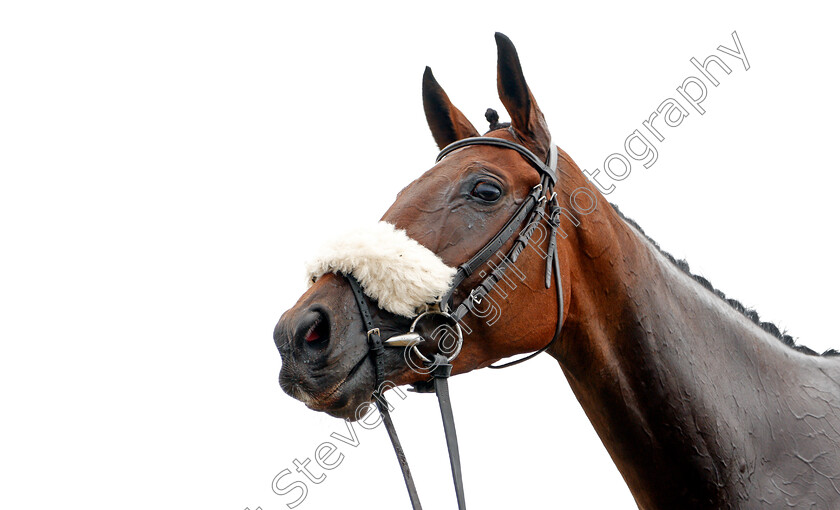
[(542, 168)]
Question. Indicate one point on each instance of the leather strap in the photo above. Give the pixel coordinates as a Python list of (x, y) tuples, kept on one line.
[(441, 371), (555, 263), (529, 156), (490, 281), (513, 224), (377, 351)]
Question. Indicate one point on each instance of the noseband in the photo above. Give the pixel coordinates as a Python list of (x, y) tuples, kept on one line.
[(532, 208)]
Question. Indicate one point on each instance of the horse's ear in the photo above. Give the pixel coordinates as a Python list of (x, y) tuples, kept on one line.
[(526, 117), (447, 123)]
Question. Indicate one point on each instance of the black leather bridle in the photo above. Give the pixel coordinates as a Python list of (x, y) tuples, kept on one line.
[(532, 208)]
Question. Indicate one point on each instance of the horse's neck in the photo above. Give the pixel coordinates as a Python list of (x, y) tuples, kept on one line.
[(672, 378)]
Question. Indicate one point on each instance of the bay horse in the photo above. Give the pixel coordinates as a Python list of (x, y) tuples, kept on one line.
[(698, 402)]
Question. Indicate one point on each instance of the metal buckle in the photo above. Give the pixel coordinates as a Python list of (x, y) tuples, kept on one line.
[(475, 299), (374, 331)]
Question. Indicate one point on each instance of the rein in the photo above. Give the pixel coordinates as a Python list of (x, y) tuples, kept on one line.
[(439, 366)]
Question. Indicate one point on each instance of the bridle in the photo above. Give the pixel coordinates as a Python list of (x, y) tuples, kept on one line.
[(531, 209)]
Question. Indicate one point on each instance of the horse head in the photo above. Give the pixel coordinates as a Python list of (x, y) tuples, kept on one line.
[(408, 261)]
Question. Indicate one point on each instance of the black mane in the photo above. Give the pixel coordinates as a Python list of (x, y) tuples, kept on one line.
[(734, 303)]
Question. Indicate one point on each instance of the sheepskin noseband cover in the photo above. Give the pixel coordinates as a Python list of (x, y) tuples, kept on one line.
[(398, 272)]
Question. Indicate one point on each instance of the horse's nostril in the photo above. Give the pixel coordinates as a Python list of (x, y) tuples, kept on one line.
[(314, 329)]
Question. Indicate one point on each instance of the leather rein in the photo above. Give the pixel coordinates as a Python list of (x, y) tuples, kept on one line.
[(536, 204)]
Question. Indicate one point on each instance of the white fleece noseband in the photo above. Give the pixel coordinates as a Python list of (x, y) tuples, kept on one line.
[(398, 272)]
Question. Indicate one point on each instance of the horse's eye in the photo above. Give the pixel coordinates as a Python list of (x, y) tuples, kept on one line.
[(486, 191)]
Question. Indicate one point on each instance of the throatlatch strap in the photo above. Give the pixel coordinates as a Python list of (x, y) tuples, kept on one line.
[(377, 350), (560, 305)]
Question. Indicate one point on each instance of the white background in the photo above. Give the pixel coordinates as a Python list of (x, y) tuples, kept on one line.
[(167, 167)]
